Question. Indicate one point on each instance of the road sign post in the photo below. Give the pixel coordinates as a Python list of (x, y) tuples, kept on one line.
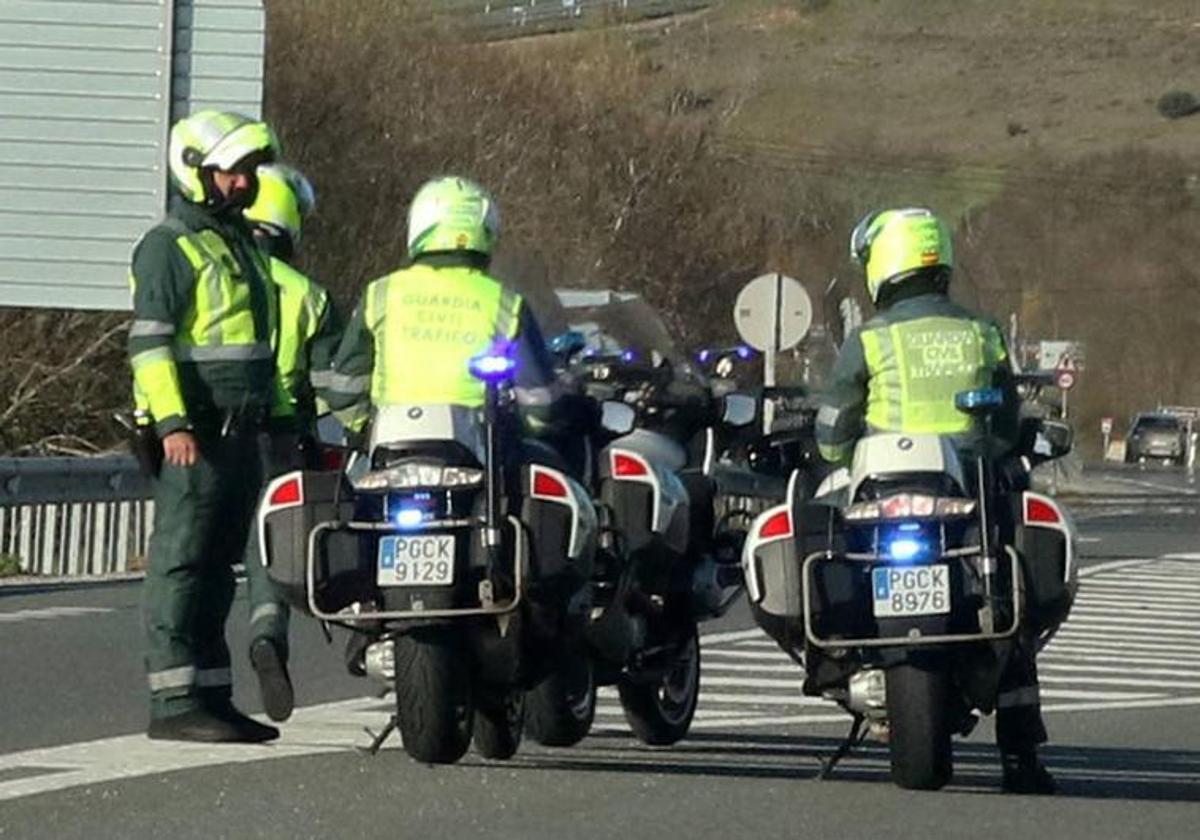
[(1106, 427), (1064, 378), (772, 313)]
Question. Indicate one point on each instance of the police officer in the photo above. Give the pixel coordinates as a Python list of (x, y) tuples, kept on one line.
[(413, 331), (881, 383), (305, 342), (200, 349)]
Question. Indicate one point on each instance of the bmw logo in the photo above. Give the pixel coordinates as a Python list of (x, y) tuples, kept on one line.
[(905, 444), (415, 413)]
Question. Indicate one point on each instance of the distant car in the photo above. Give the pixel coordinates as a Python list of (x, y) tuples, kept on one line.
[(1156, 437)]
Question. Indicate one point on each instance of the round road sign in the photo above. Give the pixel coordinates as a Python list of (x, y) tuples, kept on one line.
[(773, 313), (1065, 380)]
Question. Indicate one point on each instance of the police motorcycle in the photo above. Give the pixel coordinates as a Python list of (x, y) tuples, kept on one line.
[(899, 588), (464, 571), (666, 563)]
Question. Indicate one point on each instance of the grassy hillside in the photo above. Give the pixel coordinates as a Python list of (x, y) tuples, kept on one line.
[(680, 157)]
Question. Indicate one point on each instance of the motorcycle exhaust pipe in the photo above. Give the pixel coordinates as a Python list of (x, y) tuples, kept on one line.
[(380, 661), (867, 694)]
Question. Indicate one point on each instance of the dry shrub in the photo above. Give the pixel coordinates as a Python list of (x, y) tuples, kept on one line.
[(63, 375), (1101, 251), (595, 188)]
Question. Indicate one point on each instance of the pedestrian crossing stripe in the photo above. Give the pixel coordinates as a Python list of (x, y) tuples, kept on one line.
[(747, 683)]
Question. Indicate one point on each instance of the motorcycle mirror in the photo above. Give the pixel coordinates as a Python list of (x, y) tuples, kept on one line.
[(979, 401), (567, 344), (617, 417), (1056, 438), (738, 410)]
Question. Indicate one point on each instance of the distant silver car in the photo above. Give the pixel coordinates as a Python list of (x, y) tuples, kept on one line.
[(1156, 437)]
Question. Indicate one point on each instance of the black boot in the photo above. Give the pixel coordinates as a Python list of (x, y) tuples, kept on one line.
[(200, 725), (356, 653), (1024, 773), (274, 684), (252, 731)]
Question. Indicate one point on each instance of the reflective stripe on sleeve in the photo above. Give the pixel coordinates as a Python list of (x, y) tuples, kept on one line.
[(343, 383), (224, 353), (146, 328), (827, 416), (149, 357)]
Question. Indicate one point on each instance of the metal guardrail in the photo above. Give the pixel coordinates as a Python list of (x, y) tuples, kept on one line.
[(93, 516), (499, 19), (74, 516)]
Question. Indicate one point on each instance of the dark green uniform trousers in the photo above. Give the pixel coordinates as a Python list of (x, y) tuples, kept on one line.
[(202, 516), (269, 612)]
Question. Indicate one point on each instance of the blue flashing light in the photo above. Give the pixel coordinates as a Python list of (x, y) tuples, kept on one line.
[(494, 366), (703, 356), (628, 356), (409, 518), (979, 398), (744, 352), (906, 549)]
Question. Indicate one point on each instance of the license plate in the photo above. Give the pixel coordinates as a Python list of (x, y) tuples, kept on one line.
[(902, 591), (416, 561)]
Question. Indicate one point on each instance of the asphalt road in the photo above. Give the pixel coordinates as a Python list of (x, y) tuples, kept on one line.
[(1121, 685)]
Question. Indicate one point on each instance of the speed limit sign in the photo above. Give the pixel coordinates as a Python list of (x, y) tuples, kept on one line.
[(1065, 380)]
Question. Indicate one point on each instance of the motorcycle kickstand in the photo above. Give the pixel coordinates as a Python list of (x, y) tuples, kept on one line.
[(855, 737), (377, 740)]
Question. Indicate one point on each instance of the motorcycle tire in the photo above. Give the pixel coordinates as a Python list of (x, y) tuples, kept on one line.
[(559, 711), (660, 712), (434, 695), (918, 707), (499, 722)]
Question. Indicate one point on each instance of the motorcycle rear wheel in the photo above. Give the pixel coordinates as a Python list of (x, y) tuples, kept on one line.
[(918, 707), (559, 711), (434, 695), (660, 712), (499, 722)]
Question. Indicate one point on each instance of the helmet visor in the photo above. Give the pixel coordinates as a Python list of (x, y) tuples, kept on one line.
[(235, 149)]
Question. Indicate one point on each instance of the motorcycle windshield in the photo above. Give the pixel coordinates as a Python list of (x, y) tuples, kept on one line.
[(616, 322)]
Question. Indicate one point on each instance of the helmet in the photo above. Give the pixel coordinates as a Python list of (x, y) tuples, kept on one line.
[(284, 198), (215, 140), (894, 245), (452, 214)]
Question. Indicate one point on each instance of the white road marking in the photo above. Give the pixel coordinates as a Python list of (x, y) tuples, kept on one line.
[(50, 613), (315, 729), (1111, 565), (731, 636), (1111, 656)]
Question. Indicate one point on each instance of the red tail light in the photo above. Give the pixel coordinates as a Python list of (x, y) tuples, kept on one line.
[(546, 485), (1041, 512), (288, 492), (777, 525), (628, 466), (333, 458)]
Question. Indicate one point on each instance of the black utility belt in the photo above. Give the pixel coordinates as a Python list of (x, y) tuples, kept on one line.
[(230, 421)]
